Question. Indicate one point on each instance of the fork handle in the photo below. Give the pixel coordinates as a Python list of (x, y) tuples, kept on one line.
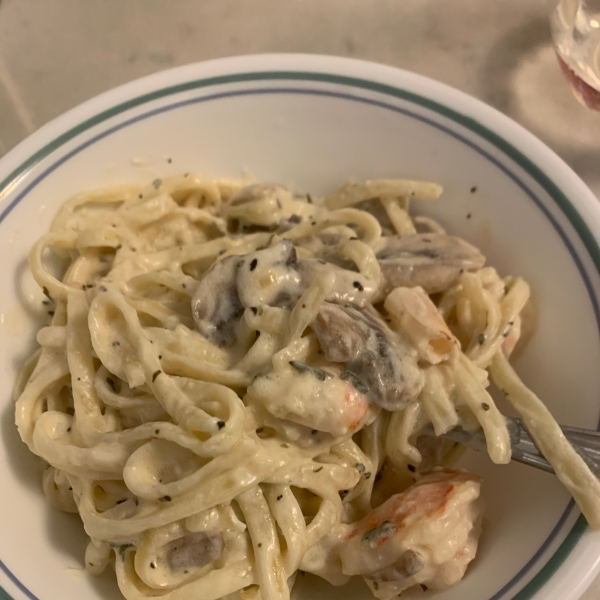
[(586, 443)]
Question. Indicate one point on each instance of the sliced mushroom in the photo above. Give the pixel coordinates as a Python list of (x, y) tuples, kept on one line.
[(238, 282), (216, 305), (269, 276), (432, 261), (378, 362), (195, 550)]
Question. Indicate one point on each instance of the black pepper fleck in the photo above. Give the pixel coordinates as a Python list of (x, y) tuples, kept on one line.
[(253, 264), (318, 470), (220, 424), (411, 468), (485, 406), (380, 473), (481, 339), (155, 375), (473, 189), (279, 497), (359, 286), (165, 499)]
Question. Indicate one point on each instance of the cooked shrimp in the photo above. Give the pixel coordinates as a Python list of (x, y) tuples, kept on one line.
[(425, 535), (417, 316), (314, 397)]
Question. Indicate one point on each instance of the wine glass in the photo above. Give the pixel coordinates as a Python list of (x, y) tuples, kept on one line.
[(576, 33)]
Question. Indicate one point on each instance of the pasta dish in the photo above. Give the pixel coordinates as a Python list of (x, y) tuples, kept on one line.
[(233, 378)]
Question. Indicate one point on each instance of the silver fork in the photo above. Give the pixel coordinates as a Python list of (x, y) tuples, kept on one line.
[(586, 443)]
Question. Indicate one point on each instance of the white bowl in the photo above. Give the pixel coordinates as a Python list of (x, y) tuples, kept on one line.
[(313, 122)]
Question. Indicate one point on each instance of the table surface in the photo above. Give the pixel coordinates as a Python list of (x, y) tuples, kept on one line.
[(56, 53)]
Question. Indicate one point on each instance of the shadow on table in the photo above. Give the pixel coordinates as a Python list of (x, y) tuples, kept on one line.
[(498, 86)]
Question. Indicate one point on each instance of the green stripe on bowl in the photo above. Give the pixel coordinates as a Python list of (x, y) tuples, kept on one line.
[(555, 561), (4, 595)]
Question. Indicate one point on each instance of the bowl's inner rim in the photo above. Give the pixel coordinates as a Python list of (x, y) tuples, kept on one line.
[(18, 175)]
